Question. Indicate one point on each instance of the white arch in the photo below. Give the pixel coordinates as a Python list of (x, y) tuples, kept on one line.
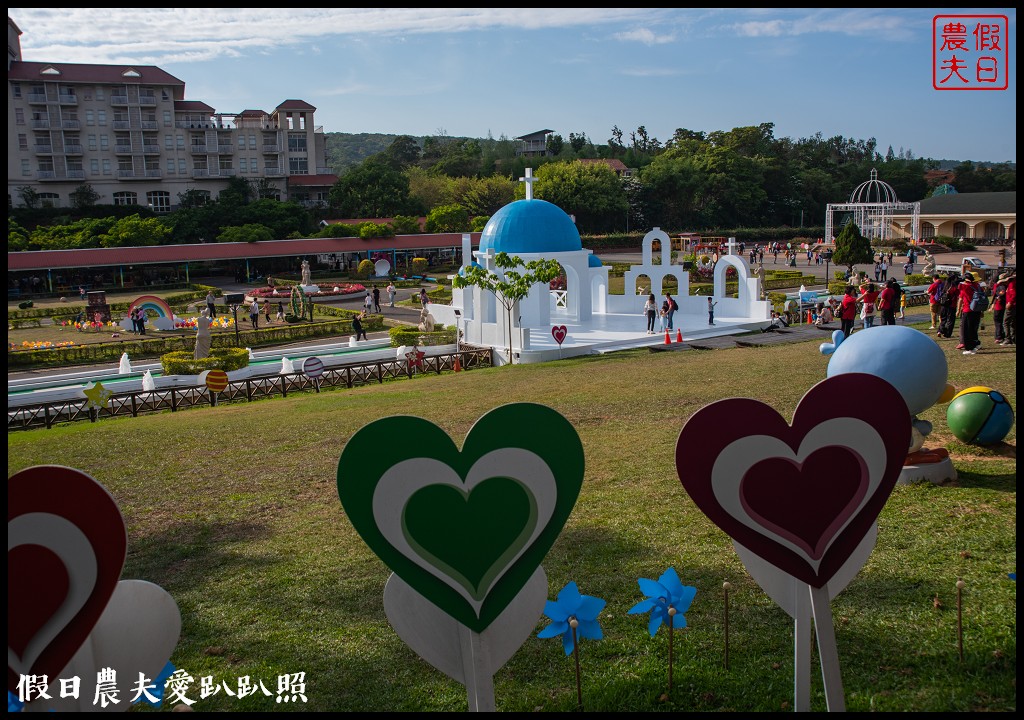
[(647, 249), (742, 273)]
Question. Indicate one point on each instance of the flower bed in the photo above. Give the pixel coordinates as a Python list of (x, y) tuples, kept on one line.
[(39, 345), (269, 292), (221, 323)]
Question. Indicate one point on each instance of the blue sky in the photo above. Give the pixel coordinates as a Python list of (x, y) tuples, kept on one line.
[(858, 73)]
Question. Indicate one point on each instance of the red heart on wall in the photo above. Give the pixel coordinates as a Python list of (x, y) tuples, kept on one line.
[(801, 497)]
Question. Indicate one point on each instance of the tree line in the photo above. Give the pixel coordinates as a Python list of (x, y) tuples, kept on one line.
[(695, 181)]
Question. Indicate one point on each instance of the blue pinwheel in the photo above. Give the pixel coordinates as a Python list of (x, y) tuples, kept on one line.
[(664, 593), (573, 606)]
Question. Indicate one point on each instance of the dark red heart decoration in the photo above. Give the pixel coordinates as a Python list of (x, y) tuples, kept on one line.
[(66, 545), (803, 496), (558, 332)]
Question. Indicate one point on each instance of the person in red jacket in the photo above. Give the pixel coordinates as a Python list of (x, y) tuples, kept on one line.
[(847, 312), (970, 320), (888, 302), (934, 300), (1010, 312)]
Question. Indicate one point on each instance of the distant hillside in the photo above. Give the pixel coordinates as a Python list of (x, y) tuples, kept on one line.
[(950, 164), (346, 150)]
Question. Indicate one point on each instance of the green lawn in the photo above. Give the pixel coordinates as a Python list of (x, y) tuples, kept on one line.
[(234, 511)]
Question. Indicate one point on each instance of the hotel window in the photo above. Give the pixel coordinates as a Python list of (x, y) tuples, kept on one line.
[(296, 142), (92, 142), (101, 115), (89, 119), (22, 141), (26, 169), (125, 198), (106, 167), (159, 201), (298, 166), (167, 118), (181, 142), (168, 142), (252, 142), (170, 166), (181, 166), (243, 165), (16, 90), (94, 167), (49, 200), (104, 142), (19, 116), (99, 92)]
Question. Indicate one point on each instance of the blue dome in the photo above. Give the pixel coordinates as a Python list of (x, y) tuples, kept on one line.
[(594, 261), (530, 227), (462, 270)]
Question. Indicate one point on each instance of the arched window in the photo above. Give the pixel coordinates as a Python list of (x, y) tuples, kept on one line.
[(960, 230), (126, 198), (159, 201), (927, 230), (49, 200), (993, 231)]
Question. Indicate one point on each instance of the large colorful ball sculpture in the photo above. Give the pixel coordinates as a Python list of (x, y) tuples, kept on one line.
[(979, 416)]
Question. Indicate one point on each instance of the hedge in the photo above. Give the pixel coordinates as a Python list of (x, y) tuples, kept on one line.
[(183, 363), (406, 335), (153, 347), (198, 292)]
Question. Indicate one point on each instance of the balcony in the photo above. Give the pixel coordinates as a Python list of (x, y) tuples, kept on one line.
[(36, 98), (228, 172), (67, 99), (126, 174), (151, 149), (46, 175), (73, 149), (76, 174), (118, 99), (71, 124), (122, 124), (43, 149), (200, 172), (226, 148), (41, 124), (150, 125), (123, 149), (153, 173), (271, 148), (273, 172), (197, 149), (147, 100)]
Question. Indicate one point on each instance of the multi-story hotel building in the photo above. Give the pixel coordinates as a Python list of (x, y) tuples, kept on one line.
[(130, 134)]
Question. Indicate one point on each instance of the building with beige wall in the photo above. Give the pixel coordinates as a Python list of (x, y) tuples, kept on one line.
[(988, 216), (129, 132)]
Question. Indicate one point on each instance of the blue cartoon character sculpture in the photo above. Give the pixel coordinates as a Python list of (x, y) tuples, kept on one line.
[(911, 362)]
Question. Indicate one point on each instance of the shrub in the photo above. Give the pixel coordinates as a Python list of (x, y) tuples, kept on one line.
[(369, 230), (365, 269), (183, 362), (25, 304), (419, 265), (408, 336)]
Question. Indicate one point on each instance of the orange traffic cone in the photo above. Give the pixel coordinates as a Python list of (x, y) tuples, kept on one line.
[(457, 366), (668, 338), (679, 335), (810, 317)]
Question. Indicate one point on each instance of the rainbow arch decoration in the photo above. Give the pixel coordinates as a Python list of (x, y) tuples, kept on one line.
[(165, 316)]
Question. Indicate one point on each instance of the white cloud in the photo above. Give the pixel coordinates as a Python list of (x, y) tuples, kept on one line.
[(645, 36), (858, 23)]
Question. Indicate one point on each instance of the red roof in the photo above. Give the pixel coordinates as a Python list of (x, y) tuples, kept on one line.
[(295, 105), (191, 105), (315, 180), (81, 73), (164, 254)]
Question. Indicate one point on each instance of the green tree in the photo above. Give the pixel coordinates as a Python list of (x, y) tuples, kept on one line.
[(406, 224), (193, 199), (84, 196), (512, 284), (238, 192), (852, 248), (252, 232), (29, 196), (372, 190), (554, 144), (447, 219), (135, 231), (485, 196), (403, 152), (369, 230), (577, 142), (590, 192)]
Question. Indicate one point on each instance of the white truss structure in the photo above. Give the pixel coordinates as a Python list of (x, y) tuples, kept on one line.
[(872, 206)]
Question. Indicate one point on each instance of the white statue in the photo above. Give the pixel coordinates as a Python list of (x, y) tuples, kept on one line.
[(426, 321), (203, 338), (929, 263), (305, 273)]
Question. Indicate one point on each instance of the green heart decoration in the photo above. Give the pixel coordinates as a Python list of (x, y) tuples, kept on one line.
[(465, 529)]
